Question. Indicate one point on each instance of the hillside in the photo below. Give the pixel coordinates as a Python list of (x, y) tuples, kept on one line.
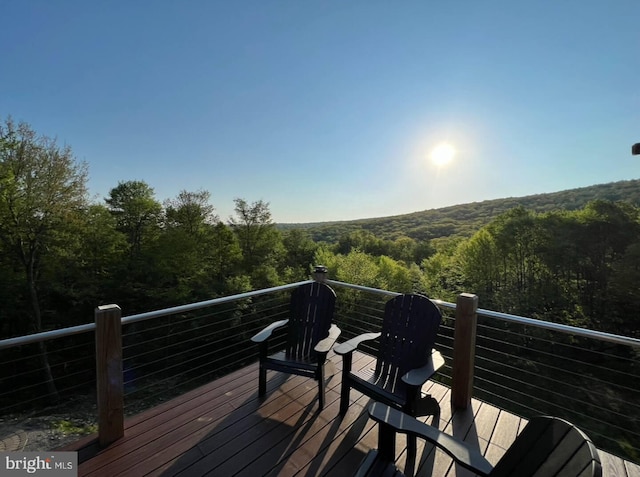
[(465, 219)]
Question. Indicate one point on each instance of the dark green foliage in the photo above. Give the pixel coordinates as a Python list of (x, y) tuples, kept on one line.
[(42, 194), (560, 256), (575, 267), (466, 219), (298, 255), (260, 242), (136, 211)]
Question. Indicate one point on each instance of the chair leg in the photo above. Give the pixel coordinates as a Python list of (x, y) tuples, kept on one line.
[(320, 377), (262, 381), (413, 399), (345, 388), (386, 442), (263, 349), (411, 408), (412, 448), (344, 399)]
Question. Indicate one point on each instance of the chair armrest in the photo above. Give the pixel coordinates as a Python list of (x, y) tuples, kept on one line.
[(351, 345), (419, 376), (457, 449), (266, 333), (325, 345)]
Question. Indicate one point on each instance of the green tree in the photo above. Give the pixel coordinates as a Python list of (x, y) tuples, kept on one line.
[(88, 265), (225, 256), (405, 249), (557, 250), (15, 321), (190, 211), (42, 187), (479, 260), (299, 255), (396, 276), (364, 241), (607, 230), (138, 213), (195, 254), (358, 267), (259, 240), (103, 246), (441, 272), (574, 267), (625, 292), (516, 237)]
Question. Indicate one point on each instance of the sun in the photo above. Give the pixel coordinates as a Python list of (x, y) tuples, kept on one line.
[(442, 154)]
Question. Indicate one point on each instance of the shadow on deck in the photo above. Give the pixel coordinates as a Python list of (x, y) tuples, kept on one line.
[(223, 429)]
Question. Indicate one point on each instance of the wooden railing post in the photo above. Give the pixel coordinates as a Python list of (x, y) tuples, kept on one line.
[(109, 377), (464, 350)]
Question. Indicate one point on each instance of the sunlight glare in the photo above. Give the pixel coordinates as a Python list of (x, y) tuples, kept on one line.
[(442, 154)]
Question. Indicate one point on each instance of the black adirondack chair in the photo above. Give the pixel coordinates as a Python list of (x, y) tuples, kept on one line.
[(547, 446), (405, 357), (310, 335)]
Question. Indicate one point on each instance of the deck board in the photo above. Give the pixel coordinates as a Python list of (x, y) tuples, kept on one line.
[(224, 429)]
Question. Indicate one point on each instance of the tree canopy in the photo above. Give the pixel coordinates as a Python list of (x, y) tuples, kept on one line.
[(42, 193), (576, 262)]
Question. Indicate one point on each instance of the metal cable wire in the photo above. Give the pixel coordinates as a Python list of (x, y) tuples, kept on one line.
[(583, 377), (169, 323), (592, 367), (208, 365), (553, 342), (576, 355), (272, 307), (548, 391), (535, 411), (564, 384), (198, 337)]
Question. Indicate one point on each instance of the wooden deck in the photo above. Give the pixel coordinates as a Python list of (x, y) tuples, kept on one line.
[(223, 429)]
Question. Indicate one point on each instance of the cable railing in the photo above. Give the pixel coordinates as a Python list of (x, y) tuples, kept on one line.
[(47, 385), (35, 375), (532, 367), (586, 377), (48, 379), (169, 355), (522, 365)]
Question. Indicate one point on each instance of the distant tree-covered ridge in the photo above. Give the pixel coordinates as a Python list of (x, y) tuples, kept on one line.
[(465, 219)]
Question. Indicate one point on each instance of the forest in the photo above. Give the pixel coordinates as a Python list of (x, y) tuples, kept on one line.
[(571, 257)]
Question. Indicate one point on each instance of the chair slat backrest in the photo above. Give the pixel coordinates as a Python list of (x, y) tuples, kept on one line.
[(409, 331), (549, 446), (310, 315)]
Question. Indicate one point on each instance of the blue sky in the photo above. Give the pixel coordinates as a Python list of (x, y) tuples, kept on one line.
[(328, 110)]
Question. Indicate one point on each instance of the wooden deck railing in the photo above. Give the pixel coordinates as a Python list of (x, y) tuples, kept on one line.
[(461, 330), (109, 368)]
